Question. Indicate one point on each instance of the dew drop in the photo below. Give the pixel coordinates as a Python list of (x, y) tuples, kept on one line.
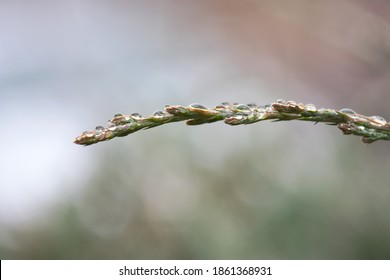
[(323, 111), (159, 114), (252, 105), (198, 106), (118, 115), (99, 129), (239, 116), (136, 116), (261, 110), (281, 101), (223, 105), (310, 107), (291, 103), (243, 107), (348, 111), (379, 119)]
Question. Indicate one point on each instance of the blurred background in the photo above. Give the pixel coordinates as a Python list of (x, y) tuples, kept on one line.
[(265, 191)]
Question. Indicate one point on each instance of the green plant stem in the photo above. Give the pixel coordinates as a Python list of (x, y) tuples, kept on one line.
[(369, 128)]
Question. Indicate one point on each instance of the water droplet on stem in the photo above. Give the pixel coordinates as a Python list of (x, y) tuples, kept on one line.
[(239, 116), (378, 119), (159, 114), (310, 107), (291, 103), (99, 129), (243, 107), (198, 106), (136, 116), (348, 111)]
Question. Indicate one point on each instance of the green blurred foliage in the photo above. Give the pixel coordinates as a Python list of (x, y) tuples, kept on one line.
[(168, 197)]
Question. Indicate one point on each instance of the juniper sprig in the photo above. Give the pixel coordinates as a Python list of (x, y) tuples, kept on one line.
[(371, 128)]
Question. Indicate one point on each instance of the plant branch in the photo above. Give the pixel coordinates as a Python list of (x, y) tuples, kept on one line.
[(369, 128)]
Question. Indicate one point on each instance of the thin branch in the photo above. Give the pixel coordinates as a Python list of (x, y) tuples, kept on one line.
[(369, 128)]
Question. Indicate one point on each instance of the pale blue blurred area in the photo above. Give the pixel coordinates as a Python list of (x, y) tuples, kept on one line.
[(268, 190), (67, 65)]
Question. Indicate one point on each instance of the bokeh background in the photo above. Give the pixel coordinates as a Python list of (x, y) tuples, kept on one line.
[(265, 191)]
